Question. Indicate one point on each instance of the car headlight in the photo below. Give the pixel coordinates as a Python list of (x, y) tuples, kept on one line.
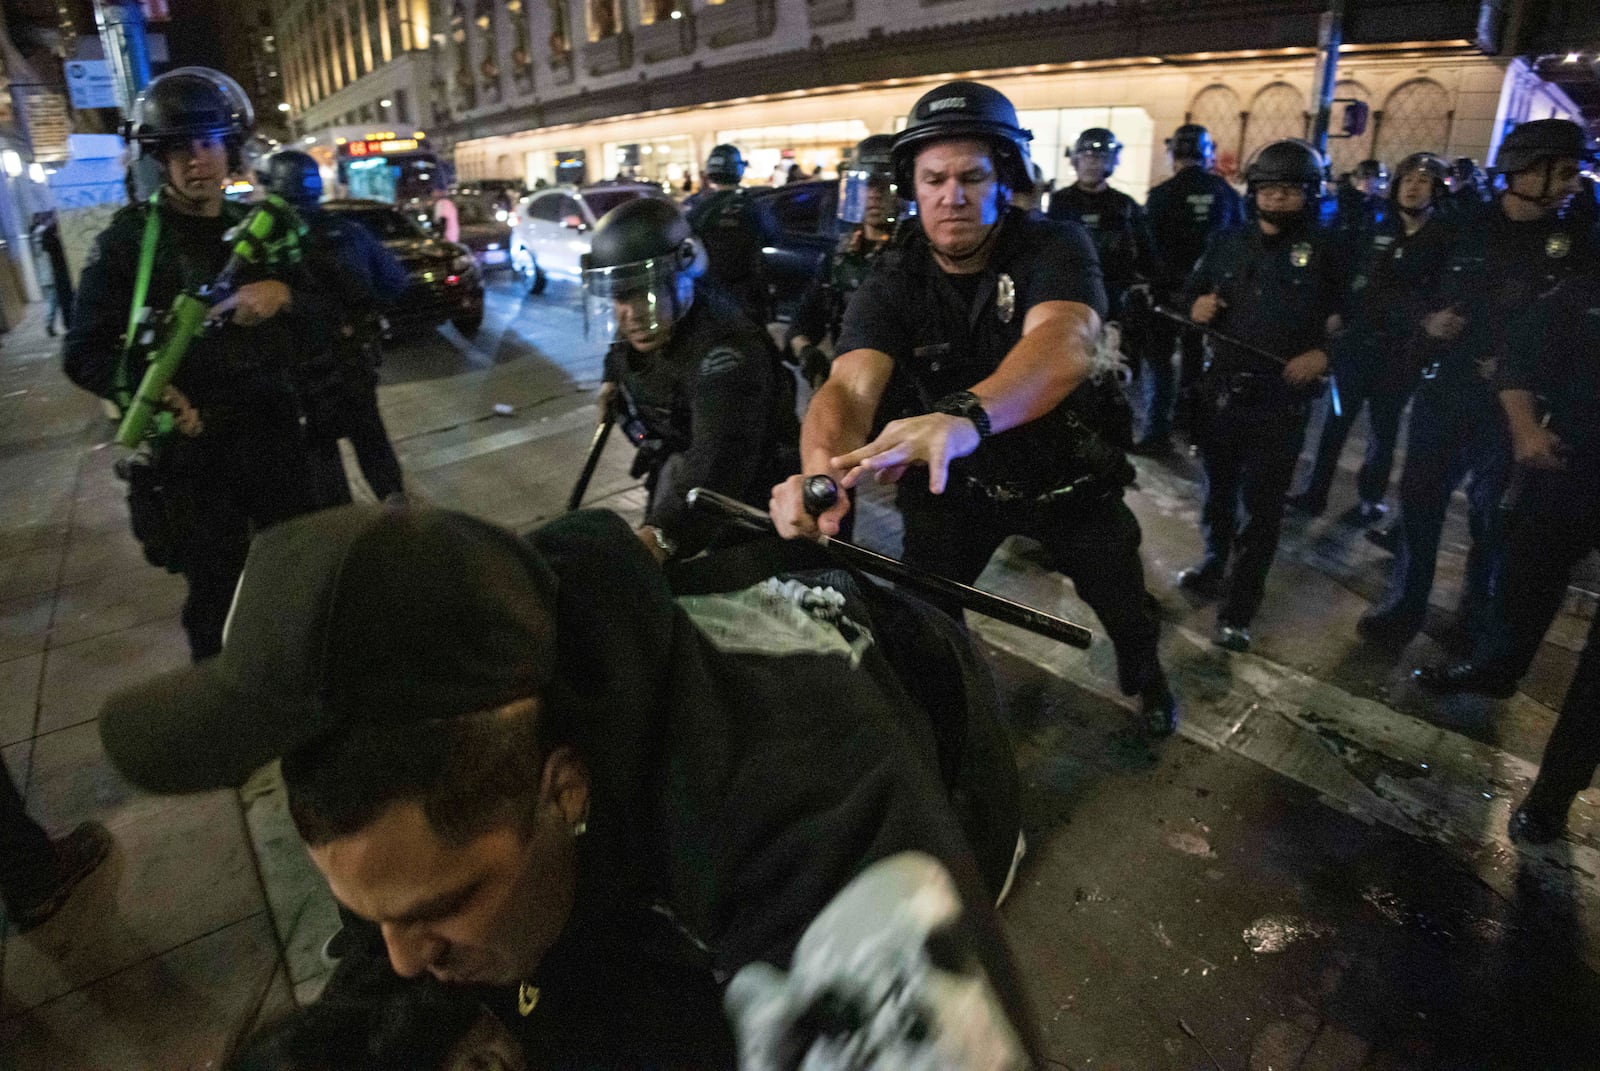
[(460, 264)]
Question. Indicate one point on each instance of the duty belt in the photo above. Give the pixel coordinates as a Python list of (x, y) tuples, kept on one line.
[(1009, 494)]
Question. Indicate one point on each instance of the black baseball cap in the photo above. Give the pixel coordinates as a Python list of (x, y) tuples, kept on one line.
[(357, 615)]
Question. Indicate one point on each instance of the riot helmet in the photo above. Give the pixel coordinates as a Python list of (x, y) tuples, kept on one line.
[(1371, 171), (1095, 156), (1287, 162), (1468, 180), (187, 104), (639, 273), (1191, 141), (1429, 164), (1542, 139), (1097, 139), (725, 166), (870, 171), (958, 110), (293, 176)]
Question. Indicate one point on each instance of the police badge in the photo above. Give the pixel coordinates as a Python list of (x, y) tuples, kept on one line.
[(1005, 298), (1300, 255), (1558, 245)]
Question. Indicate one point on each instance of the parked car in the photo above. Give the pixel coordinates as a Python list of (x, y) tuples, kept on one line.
[(809, 228), (486, 222), (553, 225), (446, 284)]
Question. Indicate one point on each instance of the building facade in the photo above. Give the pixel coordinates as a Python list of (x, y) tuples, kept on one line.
[(354, 62)]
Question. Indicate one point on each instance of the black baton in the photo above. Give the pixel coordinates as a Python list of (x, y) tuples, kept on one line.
[(597, 446), (870, 561), (1255, 351)]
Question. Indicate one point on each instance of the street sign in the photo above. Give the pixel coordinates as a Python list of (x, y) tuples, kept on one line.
[(45, 119), (90, 84)]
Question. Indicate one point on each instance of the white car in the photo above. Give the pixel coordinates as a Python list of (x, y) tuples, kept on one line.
[(553, 227)]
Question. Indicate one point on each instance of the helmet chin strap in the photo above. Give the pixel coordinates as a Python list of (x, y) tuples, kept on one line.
[(1543, 200)]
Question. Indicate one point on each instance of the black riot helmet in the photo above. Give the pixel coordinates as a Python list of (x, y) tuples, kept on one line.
[(189, 103), (1542, 139), (966, 110), (725, 166), (871, 168), (1431, 164), (1191, 141), (644, 256), (1372, 170), (1097, 139), (1467, 179), (1289, 161), (293, 176)]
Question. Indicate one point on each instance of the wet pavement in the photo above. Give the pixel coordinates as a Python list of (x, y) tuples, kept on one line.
[(1313, 875)]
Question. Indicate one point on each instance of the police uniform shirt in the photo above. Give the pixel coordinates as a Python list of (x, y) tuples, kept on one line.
[(1184, 212), (948, 332), (1279, 291), (1396, 279), (1118, 226), (1553, 351)]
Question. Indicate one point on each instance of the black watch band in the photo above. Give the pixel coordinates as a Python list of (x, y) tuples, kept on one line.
[(963, 403)]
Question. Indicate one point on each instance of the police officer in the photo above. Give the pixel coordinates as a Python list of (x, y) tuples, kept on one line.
[(733, 227), (1550, 391), (235, 459), (1113, 219), (1469, 186), (869, 203), (1184, 211), (1363, 199), (1395, 283), (699, 388), (341, 390), (1513, 252), (1272, 286), (992, 318)]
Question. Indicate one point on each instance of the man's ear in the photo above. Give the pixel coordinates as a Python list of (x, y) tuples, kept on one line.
[(565, 785)]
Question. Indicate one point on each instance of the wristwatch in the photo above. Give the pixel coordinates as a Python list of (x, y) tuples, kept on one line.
[(963, 403)]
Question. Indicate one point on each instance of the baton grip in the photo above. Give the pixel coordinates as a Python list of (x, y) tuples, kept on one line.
[(819, 494)]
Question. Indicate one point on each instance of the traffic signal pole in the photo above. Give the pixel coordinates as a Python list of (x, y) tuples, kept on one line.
[(1330, 35)]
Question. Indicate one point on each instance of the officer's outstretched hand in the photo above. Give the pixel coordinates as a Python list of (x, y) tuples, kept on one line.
[(253, 303), (788, 509), (1206, 307), (1538, 448), (933, 439), (1303, 370)]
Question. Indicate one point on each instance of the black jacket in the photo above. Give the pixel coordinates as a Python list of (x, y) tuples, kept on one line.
[(713, 409), (242, 369), (1185, 211), (1394, 285), (1121, 236)]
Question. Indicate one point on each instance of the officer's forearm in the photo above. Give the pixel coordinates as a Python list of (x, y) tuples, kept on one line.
[(1045, 366), (1521, 412), (837, 422)]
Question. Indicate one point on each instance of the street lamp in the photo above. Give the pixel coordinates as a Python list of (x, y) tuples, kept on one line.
[(283, 106)]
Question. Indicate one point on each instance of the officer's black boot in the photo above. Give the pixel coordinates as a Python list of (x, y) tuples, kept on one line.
[(1457, 677), (1389, 629), (1205, 579), (1537, 822), (1158, 707)]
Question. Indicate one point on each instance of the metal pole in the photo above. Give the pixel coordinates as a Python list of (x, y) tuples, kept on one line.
[(121, 24), (1329, 36)]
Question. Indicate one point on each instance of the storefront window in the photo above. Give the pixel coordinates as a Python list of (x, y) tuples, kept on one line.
[(604, 20), (665, 161), (1056, 130), (805, 150)]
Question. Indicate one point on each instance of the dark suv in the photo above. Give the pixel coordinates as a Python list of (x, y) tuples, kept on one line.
[(808, 230), (445, 283)]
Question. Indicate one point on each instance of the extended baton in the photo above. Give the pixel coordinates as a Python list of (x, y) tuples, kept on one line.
[(869, 561), (1255, 351), (597, 446)]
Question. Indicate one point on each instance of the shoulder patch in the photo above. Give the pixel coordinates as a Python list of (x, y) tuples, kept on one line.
[(720, 361)]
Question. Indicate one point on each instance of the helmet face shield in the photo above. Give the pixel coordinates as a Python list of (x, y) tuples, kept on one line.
[(636, 303), (868, 195)]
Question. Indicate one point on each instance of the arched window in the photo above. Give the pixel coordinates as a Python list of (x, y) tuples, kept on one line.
[(1279, 111), (1345, 153), (1217, 108), (1415, 118)]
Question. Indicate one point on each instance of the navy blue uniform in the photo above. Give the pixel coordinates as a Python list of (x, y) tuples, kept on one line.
[(1121, 235), (1184, 212), (1553, 351), (1279, 291), (735, 226), (1458, 430), (342, 391), (1054, 479), (1375, 359)]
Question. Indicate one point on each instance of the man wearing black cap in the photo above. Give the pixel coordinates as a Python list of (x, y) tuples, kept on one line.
[(734, 227), (991, 318), (697, 387), (538, 776), (1184, 211)]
